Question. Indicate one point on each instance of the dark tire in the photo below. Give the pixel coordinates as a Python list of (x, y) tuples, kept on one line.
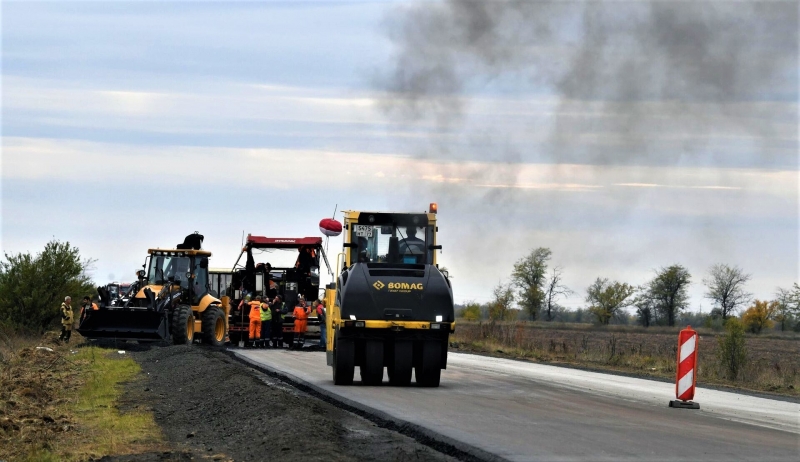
[(372, 370), (343, 361), (182, 325), (214, 326), (429, 370), (402, 360)]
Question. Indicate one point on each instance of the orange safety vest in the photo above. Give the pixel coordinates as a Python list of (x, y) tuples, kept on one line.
[(255, 311)]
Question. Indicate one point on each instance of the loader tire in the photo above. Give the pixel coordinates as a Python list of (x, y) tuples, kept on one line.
[(214, 326), (344, 353), (429, 370), (372, 370), (401, 366), (182, 325)]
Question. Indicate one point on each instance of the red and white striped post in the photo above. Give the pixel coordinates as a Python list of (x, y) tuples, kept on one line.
[(687, 370)]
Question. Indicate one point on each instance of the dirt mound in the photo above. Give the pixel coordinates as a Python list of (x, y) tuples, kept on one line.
[(32, 382), (212, 405)]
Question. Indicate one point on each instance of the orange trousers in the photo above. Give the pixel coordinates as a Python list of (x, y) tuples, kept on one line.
[(255, 329)]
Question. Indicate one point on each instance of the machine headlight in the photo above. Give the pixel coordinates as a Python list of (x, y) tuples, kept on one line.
[(439, 318)]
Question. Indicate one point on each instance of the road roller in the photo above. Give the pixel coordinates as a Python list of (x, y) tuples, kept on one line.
[(390, 307)]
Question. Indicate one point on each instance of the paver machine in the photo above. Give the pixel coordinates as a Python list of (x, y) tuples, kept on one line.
[(294, 270), (170, 300), (390, 306)]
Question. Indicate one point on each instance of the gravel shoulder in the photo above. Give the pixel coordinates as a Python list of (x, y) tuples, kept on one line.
[(210, 406)]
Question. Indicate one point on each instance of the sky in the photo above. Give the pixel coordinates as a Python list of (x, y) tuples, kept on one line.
[(624, 136)]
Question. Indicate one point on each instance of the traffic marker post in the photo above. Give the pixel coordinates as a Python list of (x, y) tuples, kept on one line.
[(687, 370)]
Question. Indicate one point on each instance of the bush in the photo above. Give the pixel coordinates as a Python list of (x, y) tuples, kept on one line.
[(33, 287), (471, 312), (759, 316), (732, 352)]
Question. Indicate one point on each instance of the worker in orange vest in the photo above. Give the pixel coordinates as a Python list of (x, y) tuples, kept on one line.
[(255, 319), (301, 312), (87, 306)]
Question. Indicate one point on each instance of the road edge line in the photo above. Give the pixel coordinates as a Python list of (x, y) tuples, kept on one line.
[(425, 436)]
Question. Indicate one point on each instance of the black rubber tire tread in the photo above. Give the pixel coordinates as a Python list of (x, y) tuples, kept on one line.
[(209, 329), (344, 354), (402, 364), (429, 371), (180, 317), (372, 370)]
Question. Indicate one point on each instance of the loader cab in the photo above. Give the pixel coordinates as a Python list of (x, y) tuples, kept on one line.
[(187, 268), (390, 239)]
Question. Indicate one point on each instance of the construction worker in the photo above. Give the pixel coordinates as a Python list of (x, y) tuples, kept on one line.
[(277, 321), (255, 319), (301, 312), (87, 306), (66, 319), (323, 329), (266, 328)]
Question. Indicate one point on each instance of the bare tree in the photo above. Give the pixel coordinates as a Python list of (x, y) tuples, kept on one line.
[(554, 289), (726, 288), (528, 277)]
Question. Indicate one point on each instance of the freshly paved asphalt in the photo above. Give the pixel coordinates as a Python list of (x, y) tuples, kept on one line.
[(532, 412)]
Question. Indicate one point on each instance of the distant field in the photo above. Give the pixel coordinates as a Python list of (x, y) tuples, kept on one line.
[(773, 365)]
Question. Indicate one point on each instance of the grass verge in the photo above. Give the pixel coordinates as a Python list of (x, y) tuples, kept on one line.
[(773, 364), (58, 403)]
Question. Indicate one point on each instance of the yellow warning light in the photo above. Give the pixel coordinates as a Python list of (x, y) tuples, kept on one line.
[(434, 208)]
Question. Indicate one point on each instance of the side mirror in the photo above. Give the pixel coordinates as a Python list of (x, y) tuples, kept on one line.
[(434, 247), (204, 263), (140, 274), (446, 274)]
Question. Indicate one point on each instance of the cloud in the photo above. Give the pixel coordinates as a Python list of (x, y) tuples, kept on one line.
[(230, 118)]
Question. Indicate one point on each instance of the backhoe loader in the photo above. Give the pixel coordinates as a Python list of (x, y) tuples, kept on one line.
[(390, 306), (170, 300)]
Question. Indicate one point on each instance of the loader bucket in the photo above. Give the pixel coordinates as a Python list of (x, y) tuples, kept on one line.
[(128, 324)]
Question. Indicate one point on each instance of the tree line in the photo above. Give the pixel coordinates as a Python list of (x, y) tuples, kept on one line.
[(536, 289)]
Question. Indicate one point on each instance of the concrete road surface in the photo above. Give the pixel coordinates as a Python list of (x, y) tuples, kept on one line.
[(523, 411)]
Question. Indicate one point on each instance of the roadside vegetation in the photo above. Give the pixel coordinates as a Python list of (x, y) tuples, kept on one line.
[(32, 287), (59, 402), (730, 357), (744, 342)]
